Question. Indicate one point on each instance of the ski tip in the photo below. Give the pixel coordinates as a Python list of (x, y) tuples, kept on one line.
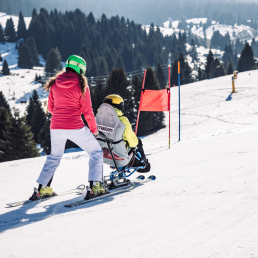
[(152, 177), (141, 177)]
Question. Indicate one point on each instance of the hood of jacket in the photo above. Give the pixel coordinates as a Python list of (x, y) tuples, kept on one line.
[(67, 80)]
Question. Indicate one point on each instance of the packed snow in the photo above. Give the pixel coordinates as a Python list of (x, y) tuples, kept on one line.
[(202, 204)]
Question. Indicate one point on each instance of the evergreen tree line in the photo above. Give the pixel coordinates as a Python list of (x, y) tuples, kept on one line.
[(16, 138), (230, 62), (222, 11), (104, 44)]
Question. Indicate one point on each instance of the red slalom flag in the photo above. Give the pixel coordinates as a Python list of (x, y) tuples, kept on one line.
[(154, 100)]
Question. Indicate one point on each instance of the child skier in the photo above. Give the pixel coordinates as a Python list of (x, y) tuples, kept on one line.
[(129, 136), (69, 97)]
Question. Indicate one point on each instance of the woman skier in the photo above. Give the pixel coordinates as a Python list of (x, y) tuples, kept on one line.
[(69, 97), (129, 136)]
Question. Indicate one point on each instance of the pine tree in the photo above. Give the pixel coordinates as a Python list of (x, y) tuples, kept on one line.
[(217, 69), (103, 67), (161, 76), (44, 135), (110, 61), (94, 72), (25, 57), (4, 103), (119, 62), (246, 61), (34, 52), (1, 59), (209, 60), (235, 59), (193, 52), (185, 71), (21, 31), (38, 121), (1, 34), (18, 140), (33, 103), (10, 30), (3, 118), (230, 68), (53, 63), (174, 73), (5, 70)]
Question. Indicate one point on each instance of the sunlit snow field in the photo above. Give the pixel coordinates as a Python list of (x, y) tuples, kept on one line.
[(203, 203)]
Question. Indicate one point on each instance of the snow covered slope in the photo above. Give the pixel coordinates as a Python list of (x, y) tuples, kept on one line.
[(203, 203)]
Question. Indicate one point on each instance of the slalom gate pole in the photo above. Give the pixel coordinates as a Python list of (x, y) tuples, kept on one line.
[(179, 96), (169, 106), (143, 82)]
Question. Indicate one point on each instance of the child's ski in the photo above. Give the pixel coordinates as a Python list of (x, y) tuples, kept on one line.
[(78, 189)]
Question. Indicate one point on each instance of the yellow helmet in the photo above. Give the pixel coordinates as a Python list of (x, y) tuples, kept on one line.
[(115, 101)]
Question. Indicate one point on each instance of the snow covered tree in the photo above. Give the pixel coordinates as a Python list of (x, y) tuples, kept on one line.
[(53, 63), (21, 31), (25, 57), (33, 49), (4, 103), (5, 69), (1, 34), (18, 140), (10, 30), (161, 76), (217, 69), (1, 59), (246, 61)]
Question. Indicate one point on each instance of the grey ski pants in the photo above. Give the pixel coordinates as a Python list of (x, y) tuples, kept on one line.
[(85, 140)]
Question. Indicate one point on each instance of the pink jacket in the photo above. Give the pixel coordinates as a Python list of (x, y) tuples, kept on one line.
[(66, 104)]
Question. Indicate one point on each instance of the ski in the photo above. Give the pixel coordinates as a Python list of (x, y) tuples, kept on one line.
[(139, 180), (78, 189)]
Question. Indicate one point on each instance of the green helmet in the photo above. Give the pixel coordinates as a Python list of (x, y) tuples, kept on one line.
[(77, 63)]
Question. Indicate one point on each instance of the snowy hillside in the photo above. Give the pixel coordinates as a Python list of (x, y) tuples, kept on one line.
[(243, 32), (203, 203), (4, 17)]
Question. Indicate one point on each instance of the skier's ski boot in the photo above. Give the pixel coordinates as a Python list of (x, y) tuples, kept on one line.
[(96, 189), (99, 188), (35, 195), (46, 192), (146, 169)]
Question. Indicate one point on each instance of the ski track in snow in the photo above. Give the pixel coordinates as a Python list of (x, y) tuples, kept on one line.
[(203, 203)]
